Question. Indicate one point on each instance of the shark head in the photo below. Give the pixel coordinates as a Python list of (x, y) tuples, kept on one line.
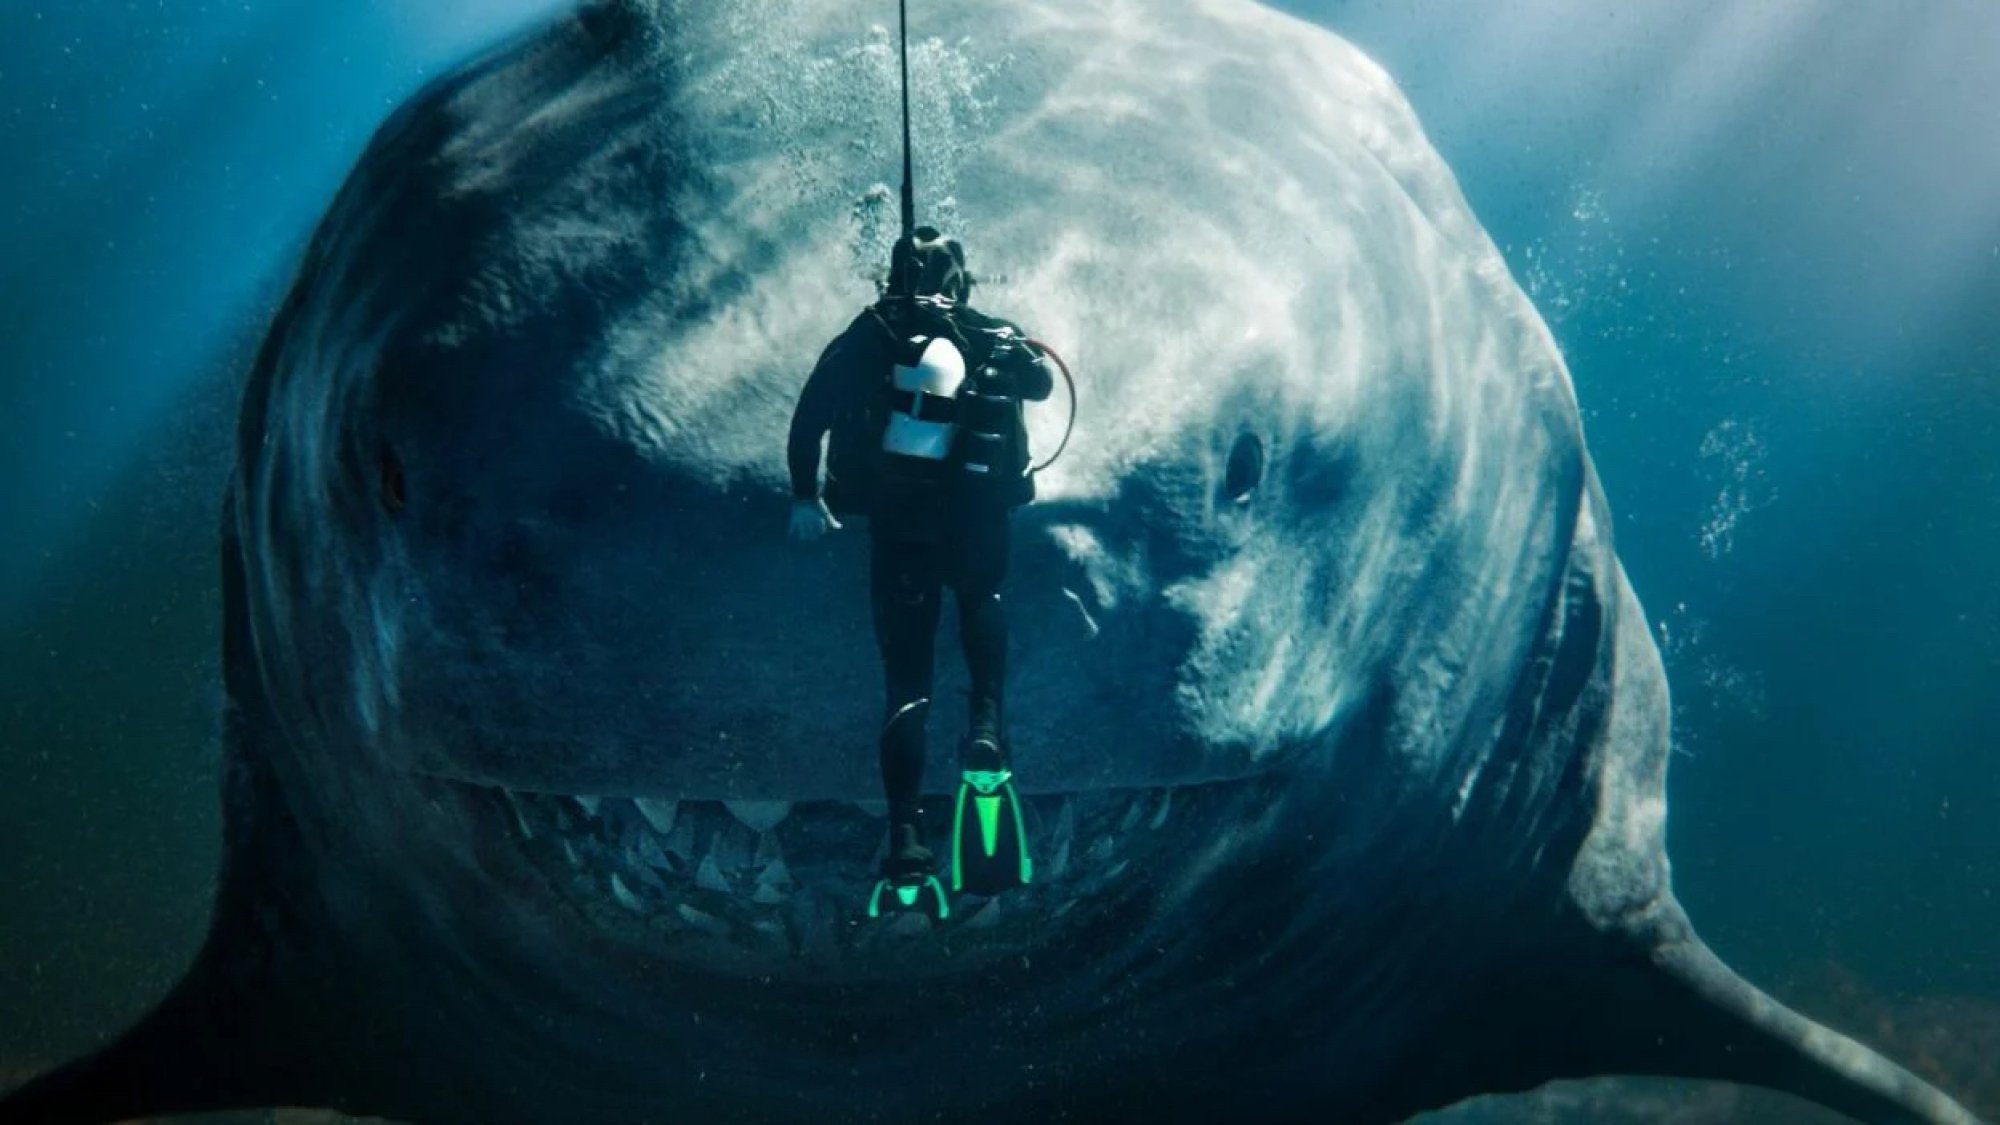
[(518, 455), (1341, 732)]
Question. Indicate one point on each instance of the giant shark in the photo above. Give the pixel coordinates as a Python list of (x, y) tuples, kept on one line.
[(549, 776)]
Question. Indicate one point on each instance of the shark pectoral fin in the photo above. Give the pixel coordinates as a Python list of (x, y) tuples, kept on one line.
[(1657, 1005), (1715, 1024), (226, 1037), (1661, 1007), (196, 1051)]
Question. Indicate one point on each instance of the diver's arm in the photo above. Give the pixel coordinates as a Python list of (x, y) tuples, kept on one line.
[(810, 520), (818, 404), (831, 381), (810, 422)]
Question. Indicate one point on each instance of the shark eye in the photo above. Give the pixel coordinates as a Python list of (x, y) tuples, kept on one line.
[(1246, 468), (390, 469)]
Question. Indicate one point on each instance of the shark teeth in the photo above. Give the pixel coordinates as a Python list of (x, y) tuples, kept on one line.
[(520, 817), (1133, 812), (1061, 839), (759, 816), (709, 876), (774, 878), (702, 920), (624, 895), (795, 877), (986, 917), (644, 850), (659, 814)]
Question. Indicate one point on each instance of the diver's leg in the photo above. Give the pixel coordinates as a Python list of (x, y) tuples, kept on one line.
[(904, 596), (989, 835), (982, 617), (983, 633)]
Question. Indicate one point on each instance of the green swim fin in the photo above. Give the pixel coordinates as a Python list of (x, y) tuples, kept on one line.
[(989, 839), (918, 895), (907, 885)]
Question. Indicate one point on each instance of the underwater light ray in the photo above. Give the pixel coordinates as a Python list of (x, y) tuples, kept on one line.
[(1840, 156), (66, 66), (75, 193), (124, 297), (1708, 91), (135, 306)]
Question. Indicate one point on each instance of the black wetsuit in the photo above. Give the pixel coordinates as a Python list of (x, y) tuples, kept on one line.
[(927, 532)]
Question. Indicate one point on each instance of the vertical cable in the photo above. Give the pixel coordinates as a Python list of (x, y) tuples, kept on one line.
[(909, 191)]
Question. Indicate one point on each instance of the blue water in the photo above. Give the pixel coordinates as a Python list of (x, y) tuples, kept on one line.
[(1767, 237), (1777, 292)]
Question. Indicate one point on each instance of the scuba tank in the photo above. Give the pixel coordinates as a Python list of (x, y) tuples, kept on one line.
[(949, 413), (992, 439), (986, 428), (924, 400), (919, 429)]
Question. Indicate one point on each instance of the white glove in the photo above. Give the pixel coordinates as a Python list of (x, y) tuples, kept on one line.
[(810, 520)]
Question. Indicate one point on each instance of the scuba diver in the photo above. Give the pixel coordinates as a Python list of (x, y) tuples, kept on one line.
[(922, 397)]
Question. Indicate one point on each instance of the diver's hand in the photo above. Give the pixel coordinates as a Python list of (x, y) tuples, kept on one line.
[(810, 520)]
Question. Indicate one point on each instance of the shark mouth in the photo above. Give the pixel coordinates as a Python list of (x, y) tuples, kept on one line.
[(775, 883)]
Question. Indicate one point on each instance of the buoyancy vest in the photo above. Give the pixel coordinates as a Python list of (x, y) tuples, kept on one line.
[(943, 427)]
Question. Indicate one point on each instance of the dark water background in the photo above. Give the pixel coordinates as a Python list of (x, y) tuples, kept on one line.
[(1766, 233)]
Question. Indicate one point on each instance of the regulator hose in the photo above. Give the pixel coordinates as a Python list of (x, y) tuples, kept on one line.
[(1069, 427)]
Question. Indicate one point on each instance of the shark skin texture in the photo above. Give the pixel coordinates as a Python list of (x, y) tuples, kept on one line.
[(549, 779)]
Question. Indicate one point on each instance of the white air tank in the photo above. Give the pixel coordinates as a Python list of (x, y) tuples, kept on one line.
[(923, 419)]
